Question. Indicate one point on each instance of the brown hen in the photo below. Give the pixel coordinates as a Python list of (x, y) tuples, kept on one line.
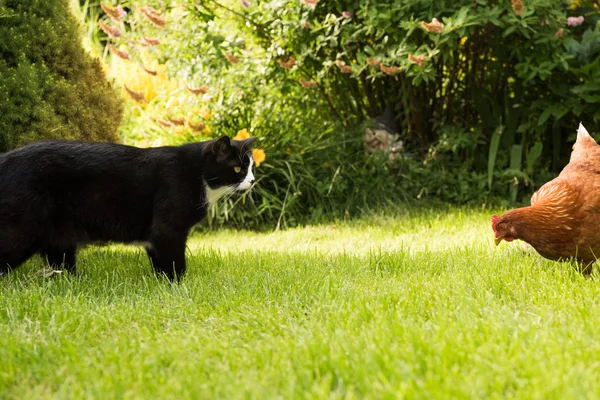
[(563, 220)]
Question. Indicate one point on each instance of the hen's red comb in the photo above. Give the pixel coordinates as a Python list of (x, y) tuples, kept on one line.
[(494, 221)]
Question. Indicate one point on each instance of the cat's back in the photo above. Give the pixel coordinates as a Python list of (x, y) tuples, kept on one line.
[(48, 155), (54, 162), (58, 151)]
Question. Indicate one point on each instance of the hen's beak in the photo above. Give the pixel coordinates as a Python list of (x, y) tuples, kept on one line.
[(498, 239)]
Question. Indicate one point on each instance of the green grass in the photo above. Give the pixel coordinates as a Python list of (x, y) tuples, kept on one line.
[(415, 306)]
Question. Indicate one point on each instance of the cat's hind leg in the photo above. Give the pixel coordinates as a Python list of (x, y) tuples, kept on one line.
[(167, 254), (61, 258), (20, 236)]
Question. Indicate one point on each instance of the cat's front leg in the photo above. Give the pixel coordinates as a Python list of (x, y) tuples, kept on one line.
[(167, 254), (63, 258)]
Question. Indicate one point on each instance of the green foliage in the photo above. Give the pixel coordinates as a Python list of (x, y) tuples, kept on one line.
[(484, 67), (50, 87), (486, 98)]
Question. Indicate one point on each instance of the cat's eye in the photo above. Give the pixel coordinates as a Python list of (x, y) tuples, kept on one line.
[(237, 169)]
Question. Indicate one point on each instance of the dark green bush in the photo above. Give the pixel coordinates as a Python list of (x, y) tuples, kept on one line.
[(50, 88)]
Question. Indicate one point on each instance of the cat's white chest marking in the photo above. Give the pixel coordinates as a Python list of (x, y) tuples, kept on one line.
[(213, 195), (249, 179)]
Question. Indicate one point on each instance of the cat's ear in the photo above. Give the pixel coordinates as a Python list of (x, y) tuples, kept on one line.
[(221, 146), (248, 142)]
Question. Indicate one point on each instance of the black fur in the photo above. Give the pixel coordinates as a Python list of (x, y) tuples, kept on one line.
[(58, 196)]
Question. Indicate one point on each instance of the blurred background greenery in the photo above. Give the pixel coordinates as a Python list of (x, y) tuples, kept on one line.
[(357, 105)]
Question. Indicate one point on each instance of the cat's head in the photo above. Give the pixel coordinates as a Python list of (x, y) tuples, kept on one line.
[(229, 164)]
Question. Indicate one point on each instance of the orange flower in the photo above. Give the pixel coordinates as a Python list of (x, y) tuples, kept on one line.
[(122, 54), (135, 95), (259, 156), (419, 60), (559, 33), (287, 64), (148, 41), (116, 14), (242, 134), (205, 113), (200, 90), (197, 127), (166, 124), (345, 69), (111, 31), (153, 16), (389, 70), (307, 84), (231, 58), (433, 26), (177, 121), (178, 129), (149, 71), (518, 6)]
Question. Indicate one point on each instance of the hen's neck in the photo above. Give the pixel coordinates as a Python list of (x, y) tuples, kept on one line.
[(542, 223)]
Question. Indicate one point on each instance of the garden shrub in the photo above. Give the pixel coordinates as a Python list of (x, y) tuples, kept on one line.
[(487, 94), (50, 87)]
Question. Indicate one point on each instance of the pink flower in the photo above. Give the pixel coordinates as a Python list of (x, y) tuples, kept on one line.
[(245, 3), (347, 14), (122, 13), (311, 3), (575, 21)]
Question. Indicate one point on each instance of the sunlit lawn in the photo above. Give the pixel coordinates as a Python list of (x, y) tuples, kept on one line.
[(419, 305)]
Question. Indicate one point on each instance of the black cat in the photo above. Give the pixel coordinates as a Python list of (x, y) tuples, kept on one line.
[(58, 196)]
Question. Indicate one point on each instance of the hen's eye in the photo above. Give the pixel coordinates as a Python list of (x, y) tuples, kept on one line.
[(237, 169)]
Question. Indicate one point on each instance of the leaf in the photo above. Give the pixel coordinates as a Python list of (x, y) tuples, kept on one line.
[(532, 156), (494, 143), (516, 156), (544, 116), (556, 110)]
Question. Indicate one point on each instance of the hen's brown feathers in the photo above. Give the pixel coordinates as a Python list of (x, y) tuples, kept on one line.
[(563, 220)]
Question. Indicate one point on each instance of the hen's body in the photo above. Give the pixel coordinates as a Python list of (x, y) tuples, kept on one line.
[(564, 217)]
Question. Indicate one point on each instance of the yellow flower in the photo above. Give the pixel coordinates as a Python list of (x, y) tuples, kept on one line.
[(463, 40), (137, 111), (178, 130), (259, 156), (205, 113), (241, 135)]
